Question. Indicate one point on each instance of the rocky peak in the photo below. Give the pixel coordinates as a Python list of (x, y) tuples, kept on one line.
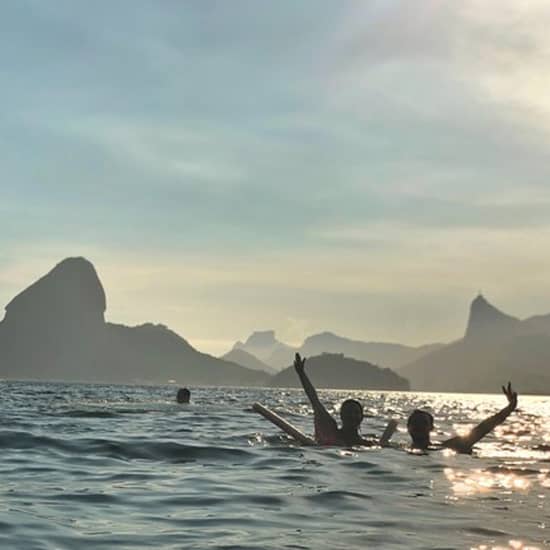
[(70, 293), (485, 318)]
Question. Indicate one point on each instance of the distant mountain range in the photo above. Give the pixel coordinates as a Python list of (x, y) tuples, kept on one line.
[(333, 370), (265, 346), (56, 329), (495, 348)]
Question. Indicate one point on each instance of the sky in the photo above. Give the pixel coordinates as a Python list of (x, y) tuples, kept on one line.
[(360, 167)]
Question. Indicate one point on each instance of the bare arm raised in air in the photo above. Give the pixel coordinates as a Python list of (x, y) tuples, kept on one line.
[(464, 444), (324, 423)]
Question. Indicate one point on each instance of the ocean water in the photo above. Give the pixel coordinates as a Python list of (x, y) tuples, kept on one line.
[(124, 467)]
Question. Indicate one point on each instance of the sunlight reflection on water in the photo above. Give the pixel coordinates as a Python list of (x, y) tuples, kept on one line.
[(512, 545), (480, 481)]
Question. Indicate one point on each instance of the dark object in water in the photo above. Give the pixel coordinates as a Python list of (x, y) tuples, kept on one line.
[(183, 395), (281, 423)]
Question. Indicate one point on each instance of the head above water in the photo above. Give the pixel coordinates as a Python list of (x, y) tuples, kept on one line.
[(419, 425), (183, 396), (351, 413)]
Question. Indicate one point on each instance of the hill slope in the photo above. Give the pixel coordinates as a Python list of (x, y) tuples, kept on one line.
[(331, 370)]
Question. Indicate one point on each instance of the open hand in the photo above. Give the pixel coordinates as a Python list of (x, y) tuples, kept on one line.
[(299, 363), (511, 395)]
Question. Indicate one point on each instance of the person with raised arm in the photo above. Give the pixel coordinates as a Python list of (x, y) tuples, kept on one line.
[(351, 414), (421, 423)]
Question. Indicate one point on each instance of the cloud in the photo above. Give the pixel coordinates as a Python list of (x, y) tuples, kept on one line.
[(468, 55), (174, 154)]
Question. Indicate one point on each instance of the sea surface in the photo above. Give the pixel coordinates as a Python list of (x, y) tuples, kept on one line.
[(123, 467)]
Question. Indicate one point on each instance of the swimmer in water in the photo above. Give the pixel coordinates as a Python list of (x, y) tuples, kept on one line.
[(183, 395), (351, 413), (421, 423)]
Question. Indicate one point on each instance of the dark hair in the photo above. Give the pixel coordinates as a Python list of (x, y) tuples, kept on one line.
[(418, 413), (183, 395), (348, 405)]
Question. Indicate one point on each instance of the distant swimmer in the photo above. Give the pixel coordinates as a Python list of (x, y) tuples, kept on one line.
[(183, 396), (351, 413), (421, 423)]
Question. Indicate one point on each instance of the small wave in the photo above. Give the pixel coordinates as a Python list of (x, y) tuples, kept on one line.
[(518, 471), (164, 451), (98, 413), (341, 497), (169, 451), (264, 500), (89, 414), (25, 440), (85, 497), (487, 532)]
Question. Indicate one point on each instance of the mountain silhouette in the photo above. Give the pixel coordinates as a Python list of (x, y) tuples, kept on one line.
[(496, 348), (536, 324), (56, 329), (245, 359), (70, 293), (264, 346), (334, 370), (486, 320), (271, 351)]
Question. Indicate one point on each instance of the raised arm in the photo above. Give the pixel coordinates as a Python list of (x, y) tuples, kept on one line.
[(464, 444), (311, 392)]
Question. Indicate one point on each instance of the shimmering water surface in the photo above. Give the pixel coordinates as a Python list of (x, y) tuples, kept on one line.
[(90, 466)]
